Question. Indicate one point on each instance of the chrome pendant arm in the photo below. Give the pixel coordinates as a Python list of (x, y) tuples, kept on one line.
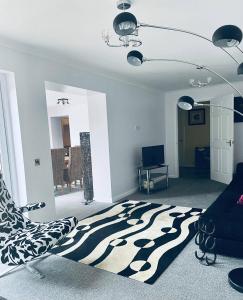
[(187, 32), (198, 66), (172, 60), (239, 49), (220, 76), (113, 46), (219, 106)]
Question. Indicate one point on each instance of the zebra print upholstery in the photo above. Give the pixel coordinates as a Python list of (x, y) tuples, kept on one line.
[(22, 240)]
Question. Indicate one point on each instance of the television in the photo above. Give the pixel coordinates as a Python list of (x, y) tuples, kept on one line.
[(153, 156)]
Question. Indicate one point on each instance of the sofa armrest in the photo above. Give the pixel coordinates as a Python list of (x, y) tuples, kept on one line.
[(31, 207)]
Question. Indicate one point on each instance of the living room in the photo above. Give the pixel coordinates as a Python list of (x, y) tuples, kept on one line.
[(129, 241)]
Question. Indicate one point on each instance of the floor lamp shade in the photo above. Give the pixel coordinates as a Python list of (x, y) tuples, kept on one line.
[(227, 36), (135, 58), (240, 69), (125, 23), (185, 103)]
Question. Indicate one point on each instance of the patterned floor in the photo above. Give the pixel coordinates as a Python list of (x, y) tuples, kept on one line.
[(133, 239)]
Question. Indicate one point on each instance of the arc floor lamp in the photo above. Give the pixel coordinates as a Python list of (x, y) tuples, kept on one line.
[(127, 28)]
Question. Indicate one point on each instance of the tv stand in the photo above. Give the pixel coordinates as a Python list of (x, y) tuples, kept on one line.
[(148, 181)]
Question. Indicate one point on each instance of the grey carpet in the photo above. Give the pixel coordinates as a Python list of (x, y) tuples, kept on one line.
[(184, 279), (188, 192)]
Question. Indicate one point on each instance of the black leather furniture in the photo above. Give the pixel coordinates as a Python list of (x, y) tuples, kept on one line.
[(224, 220)]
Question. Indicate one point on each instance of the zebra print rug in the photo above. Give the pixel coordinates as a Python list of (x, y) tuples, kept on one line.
[(133, 239)]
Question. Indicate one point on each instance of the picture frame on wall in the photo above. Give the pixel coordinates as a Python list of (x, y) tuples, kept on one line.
[(196, 117)]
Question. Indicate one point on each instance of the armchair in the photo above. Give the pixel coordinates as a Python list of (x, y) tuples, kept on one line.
[(22, 240)]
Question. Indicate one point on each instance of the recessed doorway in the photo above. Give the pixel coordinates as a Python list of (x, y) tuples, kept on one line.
[(194, 142), (83, 112)]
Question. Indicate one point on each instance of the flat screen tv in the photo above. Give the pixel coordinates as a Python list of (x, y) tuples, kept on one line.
[(153, 156)]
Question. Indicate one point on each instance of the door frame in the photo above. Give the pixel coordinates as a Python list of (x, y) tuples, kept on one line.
[(4, 139), (199, 101), (221, 176), (173, 115), (13, 152)]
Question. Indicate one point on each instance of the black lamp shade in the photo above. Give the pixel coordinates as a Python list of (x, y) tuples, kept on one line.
[(227, 36), (240, 69), (135, 58), (125, 23), (185, 103)]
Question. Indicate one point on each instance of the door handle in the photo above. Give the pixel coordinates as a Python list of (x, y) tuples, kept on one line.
[(230, 142)]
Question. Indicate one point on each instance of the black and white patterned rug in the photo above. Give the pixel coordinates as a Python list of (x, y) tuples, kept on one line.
[(133, 239)]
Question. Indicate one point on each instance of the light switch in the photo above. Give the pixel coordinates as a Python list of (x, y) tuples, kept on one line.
[(137, 127), (37, 162)]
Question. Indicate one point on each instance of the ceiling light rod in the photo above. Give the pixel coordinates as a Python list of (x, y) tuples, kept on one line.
[(188, 103), (224, 37), (136, 58)]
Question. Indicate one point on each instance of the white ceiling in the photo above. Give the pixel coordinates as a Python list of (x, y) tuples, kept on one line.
[(72, 30)]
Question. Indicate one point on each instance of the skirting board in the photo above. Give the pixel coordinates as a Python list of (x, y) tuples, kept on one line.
[(121, 196), (173, 176), (131, 191)]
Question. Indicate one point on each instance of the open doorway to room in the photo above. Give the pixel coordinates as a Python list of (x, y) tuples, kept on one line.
[(194, 142), (72, 111)]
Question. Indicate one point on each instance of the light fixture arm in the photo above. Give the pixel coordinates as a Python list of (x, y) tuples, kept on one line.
[(239, 49), (198, 67), (218, 106), (187, 32), (113, 46)]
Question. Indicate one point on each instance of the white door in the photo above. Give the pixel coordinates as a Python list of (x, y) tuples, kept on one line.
[(222, 139)]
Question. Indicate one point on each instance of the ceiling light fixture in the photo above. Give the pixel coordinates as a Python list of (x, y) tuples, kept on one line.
[(123, 4), (126, 40), (136, 58), (199, 83), (63, 101)]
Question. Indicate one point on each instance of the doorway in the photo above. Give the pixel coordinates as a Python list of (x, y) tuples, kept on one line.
[(194, 142), (85, 111), (221, 139)]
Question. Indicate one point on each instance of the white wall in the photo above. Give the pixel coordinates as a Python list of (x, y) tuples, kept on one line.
[(77, 111), (127, 106), (55, 129), (171, 134), (99, 147)]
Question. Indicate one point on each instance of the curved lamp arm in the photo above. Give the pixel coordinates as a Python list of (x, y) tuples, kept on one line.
[(196, 65), (187, 32), (239, 49), (219, 106)]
